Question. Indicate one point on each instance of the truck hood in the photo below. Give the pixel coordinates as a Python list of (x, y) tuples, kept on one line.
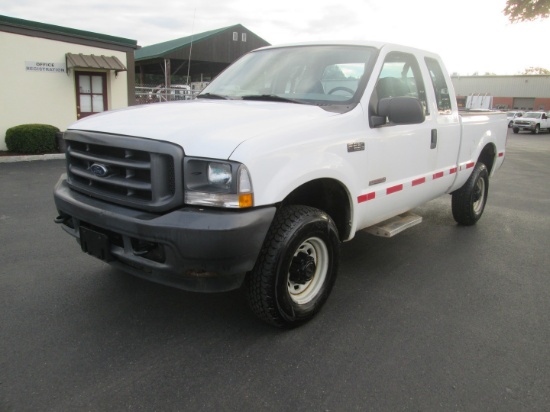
[(203, 127), (529, 119)]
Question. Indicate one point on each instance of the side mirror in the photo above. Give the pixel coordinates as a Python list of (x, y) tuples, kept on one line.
[(399, 110)]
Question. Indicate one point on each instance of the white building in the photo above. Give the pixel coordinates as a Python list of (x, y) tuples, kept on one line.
[(521, 92), (55, 75)]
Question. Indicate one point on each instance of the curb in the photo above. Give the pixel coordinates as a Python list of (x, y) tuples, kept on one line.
[(30, 158)]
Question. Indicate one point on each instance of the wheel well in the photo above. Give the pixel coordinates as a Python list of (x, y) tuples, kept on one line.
[(328, 195), (488, 156)]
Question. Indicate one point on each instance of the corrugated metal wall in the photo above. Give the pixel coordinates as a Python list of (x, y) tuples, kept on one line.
[(505, 86)]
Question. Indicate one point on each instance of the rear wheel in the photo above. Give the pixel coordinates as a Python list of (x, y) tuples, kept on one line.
[(469, 201), (296, 268)]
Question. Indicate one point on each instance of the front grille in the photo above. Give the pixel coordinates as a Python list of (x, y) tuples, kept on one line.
[(140, 173), (522, 123)]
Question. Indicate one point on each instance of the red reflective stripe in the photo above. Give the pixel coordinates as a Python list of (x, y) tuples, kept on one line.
[(417, 182), (364, 198), (394, 189)]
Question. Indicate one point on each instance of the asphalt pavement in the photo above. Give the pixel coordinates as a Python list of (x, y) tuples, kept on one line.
[(438, 318)]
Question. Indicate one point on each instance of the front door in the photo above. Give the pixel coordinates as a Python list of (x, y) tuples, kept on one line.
[(91, 93), (400, 159)]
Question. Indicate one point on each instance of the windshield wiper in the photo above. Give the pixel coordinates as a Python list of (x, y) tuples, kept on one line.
[(270, 98), (212, 96)]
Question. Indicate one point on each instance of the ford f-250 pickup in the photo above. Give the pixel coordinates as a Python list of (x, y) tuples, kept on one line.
[(286, 154)]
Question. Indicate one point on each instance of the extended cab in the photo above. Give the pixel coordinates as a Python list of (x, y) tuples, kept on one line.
[(532, 121), (285, 155)]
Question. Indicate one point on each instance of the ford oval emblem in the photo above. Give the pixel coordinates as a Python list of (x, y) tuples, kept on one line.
[(99, 170)]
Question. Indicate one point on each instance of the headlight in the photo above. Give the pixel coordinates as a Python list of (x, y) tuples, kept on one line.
[(219, 174), (217, 184)]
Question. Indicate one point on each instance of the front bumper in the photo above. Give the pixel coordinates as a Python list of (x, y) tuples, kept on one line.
[(525, 127), (191, 248)]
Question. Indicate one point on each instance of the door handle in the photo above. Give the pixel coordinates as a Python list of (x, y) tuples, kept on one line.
[(433, 143)]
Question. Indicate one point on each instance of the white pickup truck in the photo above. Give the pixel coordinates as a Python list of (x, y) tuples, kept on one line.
[(532, 121), (286, 154)]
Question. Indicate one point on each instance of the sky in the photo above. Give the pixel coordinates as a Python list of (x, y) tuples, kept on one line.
[(471, 36)]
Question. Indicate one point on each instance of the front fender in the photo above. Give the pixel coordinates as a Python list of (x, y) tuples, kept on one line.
[(280, 163)]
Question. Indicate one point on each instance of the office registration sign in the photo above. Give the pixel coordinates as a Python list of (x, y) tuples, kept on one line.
[(45, 67)]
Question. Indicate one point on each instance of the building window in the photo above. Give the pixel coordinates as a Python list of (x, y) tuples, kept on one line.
[(244, 37), (235, 36), (91, 89)]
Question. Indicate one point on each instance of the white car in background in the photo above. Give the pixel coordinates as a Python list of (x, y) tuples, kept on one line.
[(533, 122), (511, 116)]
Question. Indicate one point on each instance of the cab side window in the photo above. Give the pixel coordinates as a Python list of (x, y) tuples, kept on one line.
[(440, 86), (400, 76)]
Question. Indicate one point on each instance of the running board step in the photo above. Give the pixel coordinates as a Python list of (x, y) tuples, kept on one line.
[(394, 225)]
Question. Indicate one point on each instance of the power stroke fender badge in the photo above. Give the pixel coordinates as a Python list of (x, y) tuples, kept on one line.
[(99, 170)]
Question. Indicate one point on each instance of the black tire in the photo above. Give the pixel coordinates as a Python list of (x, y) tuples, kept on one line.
[(510, 123), (469, 201), (537, 129), (296, 269), (515, 130)]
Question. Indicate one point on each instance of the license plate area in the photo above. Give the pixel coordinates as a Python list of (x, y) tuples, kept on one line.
[(96, 244)]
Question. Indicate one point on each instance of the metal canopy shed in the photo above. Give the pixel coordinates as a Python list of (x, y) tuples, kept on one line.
[(202, 55)]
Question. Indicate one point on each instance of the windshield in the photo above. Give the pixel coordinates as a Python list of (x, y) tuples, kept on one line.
[(320, 75), (533, 115)]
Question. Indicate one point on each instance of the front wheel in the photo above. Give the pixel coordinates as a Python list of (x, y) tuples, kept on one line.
[(296, 268), (515, 130), (537, 129), (469, 201)]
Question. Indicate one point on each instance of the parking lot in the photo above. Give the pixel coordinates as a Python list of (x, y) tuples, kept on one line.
[(438, 318)]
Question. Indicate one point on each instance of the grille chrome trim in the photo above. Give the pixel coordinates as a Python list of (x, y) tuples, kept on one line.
[(143, 174)]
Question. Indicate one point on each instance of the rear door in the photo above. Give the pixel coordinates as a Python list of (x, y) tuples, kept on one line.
[(446, 123)]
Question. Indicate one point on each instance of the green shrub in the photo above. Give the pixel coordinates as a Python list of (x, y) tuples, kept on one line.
[(32, 139)]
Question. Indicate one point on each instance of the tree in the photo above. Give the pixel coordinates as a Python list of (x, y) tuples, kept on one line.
[(536, 70), (527, 10)]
